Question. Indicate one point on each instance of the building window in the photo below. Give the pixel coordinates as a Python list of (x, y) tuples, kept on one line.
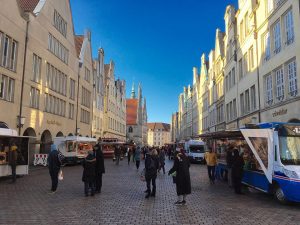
[(232, 77), (8, 52), (292, 75), (85, 116), (247, 101), (59, 23), (58, 49), (72, 89), (34, 98), (71, 111), (289, 27), (279, 84), (55, 105), (85, 97), (87, 75), (36, 68), (130, 130), (269, 90), (251, 58), (56, 80), (267, 46), (242, 103), (234, 109), (277, 37), (253, 98), (7, 88)]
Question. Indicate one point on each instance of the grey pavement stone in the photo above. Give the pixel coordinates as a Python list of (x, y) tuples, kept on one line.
[(122, 201)]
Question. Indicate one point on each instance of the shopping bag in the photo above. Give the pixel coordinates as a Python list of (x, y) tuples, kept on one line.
[(60, 175), (173, 174), (142, 177)]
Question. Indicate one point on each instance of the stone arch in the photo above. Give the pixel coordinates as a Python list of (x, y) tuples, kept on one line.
[(70, 134), (3, 125), (46, 141), (59, 134), (294, 120), (29, 132)]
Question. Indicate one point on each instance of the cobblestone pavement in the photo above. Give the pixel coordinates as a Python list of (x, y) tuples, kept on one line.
[(122, 201)]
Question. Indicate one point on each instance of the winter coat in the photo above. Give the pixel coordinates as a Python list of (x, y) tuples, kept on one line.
[(89, 169), (237, 167), (13, 157), (99, 160), (151, 166), (137, 154), (183, 181), (53, 162), (162, 158)]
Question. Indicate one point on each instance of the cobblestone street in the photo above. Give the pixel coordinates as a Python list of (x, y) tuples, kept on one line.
[(122, 201)]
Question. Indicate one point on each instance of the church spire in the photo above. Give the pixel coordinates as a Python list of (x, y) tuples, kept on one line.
[(132, 92)]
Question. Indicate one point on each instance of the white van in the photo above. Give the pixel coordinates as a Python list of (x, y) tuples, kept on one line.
[(195, 150)]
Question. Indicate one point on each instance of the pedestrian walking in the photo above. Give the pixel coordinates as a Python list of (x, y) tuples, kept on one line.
[(151, 167), (12, 161), (229, 160), (117, 154), (89, 173), (100, 168), (128, 155), (182, 178), (133, 154), (211, 161), (162, 160), (54, 165), (137, 157), (237, 171)]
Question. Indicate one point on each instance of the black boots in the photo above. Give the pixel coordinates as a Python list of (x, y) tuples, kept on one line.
[(148, 194)]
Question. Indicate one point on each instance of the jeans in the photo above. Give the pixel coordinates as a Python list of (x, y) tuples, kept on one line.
[(89, 185), (211, 172), (137, 164), (54, 179), (153, 185)]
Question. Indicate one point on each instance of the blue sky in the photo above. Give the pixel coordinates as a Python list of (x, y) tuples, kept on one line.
[(155, 42)]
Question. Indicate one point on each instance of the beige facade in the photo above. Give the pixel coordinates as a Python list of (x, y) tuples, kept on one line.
[(159, 134), (63, 92), (252, 75), (114, 105)]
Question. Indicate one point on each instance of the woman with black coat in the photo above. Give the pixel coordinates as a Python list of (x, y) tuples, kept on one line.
[(89, 173), (100, 169), (183, 182), (237, 171)]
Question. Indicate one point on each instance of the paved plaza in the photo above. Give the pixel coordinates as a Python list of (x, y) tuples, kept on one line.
[(122, 201)]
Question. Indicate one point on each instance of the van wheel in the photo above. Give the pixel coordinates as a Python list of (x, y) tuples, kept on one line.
[(279, 195)]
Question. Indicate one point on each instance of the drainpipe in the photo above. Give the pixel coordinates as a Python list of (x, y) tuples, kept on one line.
[(23, 77), (77, 104)]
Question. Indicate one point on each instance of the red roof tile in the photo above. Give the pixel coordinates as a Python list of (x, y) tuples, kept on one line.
[(162, 126), (78, 43), (28, 5), (131, 111)]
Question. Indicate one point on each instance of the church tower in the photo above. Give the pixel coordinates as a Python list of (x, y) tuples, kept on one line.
[(132, 92)]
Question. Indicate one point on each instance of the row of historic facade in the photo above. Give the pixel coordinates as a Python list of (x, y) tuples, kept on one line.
[(252, 75), (50, 85)]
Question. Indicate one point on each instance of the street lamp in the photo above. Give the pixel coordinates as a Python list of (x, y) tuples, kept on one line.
[(20, 121)]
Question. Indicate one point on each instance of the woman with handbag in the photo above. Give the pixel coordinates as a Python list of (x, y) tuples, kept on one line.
[(181, 175), (54, 165)]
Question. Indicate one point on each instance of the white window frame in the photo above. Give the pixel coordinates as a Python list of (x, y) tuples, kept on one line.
[(269, 89), (292, 78), (279, 79)]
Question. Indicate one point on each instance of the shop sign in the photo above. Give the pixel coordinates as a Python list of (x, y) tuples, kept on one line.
[(279, 112), (53, 122)]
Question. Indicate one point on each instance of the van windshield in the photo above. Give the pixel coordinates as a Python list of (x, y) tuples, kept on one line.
[(197, 149), (290, 150)]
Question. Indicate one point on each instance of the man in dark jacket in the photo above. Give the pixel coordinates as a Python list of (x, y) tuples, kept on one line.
[(100, 169), (237, 171), (151, 167), (12, 160), (54, 167), (89, 173), (117, 154), (183, 181)]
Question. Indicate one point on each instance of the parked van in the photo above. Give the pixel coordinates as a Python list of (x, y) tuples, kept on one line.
[(195, 150)]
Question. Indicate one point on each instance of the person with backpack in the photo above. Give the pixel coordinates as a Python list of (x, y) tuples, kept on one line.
[(54, 164), (151, 167)]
